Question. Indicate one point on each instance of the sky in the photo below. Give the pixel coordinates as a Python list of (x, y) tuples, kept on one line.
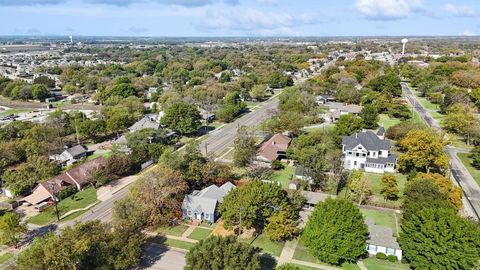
[(203, 18)]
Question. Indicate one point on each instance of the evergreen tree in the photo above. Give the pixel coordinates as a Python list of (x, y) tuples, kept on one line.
[(390, 188)]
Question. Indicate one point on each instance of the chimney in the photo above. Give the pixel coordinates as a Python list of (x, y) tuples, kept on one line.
[(356, 135)]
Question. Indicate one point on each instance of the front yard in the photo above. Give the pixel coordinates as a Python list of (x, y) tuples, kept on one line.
[(175, 230), (467, 162), (302, 254), (79, 200), (200, 234), (267, 246), (375, 264), (375, 180)]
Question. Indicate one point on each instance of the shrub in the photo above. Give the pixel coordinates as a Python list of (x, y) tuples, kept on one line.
[(277, 165), (66, 192), (381, 256), (392, 258)]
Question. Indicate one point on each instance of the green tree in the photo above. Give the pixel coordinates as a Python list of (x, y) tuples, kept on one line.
[(335, 232), (258, 92), (279, 80), (40, 92), (461, 119), (44, 80), (388, 83), (348, 124), (92, 128), (287, 266), (281, 227), (118, 119), (390, 188), (217, 252), (11, 229), (369, 116), (244, 147), (182, 117), (359, 187), (24, 177), (253, 204), (440, 239)]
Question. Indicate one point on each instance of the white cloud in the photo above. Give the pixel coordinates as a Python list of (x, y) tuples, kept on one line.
[(468, 33), (252, 21), (460, 11), (387, 9)]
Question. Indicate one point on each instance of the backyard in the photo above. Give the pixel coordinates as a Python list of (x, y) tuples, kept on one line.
[(382, 218), (302, 254), (386, 121), (79, 200), (283, 176), (375, 181)]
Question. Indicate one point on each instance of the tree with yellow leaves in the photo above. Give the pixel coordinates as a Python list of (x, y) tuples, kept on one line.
[(446, 186), (423, 151)]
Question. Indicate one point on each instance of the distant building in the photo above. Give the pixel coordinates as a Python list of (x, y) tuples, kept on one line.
[(368, 151), (70, 155), (381, 239), (274, 148), (201, 205), (148, 121), (322, 99), (338, 111)]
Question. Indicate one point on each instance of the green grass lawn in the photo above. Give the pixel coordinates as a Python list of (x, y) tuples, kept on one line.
[(381, 218), (13, 111), (5, 257), (79, 200), (105, 155), (175, 230), (208, 225), (267, 246), (283, 176), (200, 234), (429, 106), (374, 264), (301, 253), (386, 121), (179, 244), (467, 162), (375, 180)]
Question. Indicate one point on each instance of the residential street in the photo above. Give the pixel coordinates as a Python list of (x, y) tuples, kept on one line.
[(460, 174)]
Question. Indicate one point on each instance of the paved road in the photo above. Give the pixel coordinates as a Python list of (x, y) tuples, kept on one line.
[(460, 174), (160, 257), (219, 140)]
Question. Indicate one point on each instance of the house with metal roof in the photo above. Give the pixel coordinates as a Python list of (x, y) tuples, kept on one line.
[(368, 151), (202, 204), (70, 155)]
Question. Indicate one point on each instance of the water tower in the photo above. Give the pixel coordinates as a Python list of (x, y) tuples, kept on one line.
[(404, 42), (71, 39)]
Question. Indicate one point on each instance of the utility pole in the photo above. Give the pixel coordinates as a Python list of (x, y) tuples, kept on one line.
[(54, 197), (76, 132)]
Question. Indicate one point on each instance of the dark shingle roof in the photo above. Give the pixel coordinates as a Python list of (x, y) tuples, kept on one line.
[(367, 139), (76, 150), (381, 131), (381, 160), (381, 235)]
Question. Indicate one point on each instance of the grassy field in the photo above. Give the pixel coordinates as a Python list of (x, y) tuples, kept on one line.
[(429, 106), (375, 181), (270, 247), (5, 257), (105, 155), (175, 230), (283, 176), (381, 218), (13, 111), (386, 121), (467, 162), (374, 264), (200, 234), (79, 200), (179, 244)]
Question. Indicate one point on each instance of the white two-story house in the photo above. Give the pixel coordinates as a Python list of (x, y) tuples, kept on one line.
[(368, 151)]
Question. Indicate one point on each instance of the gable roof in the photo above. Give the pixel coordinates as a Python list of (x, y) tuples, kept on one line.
[(381, 235), (205, 200), (381, 131), (81, 173), (271, 148), (367, 139), (76, 150), (351, 108), (144, 123)]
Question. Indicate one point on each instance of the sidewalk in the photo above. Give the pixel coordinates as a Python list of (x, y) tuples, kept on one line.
[(105, 192)]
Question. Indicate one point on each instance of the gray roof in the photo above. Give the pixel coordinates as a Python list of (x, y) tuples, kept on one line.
[(381, 235), (381, 131), (76, 150), (367, 139), (382, 160), (144, 123), (205, 200), (316, 197)]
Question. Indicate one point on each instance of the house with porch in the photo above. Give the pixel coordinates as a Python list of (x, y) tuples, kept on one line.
[(201, 205), (381, 239), (369, 151)]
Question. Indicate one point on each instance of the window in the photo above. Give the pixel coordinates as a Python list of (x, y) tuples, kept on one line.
[(349, 153), (380, 152), (373, 154), (372, 248), (357, 154), (364, 155), (207, 216), (189, 213), (390, 251), (355, 163)]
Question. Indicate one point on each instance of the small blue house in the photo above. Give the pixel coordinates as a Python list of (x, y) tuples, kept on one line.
[(202, 204)]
